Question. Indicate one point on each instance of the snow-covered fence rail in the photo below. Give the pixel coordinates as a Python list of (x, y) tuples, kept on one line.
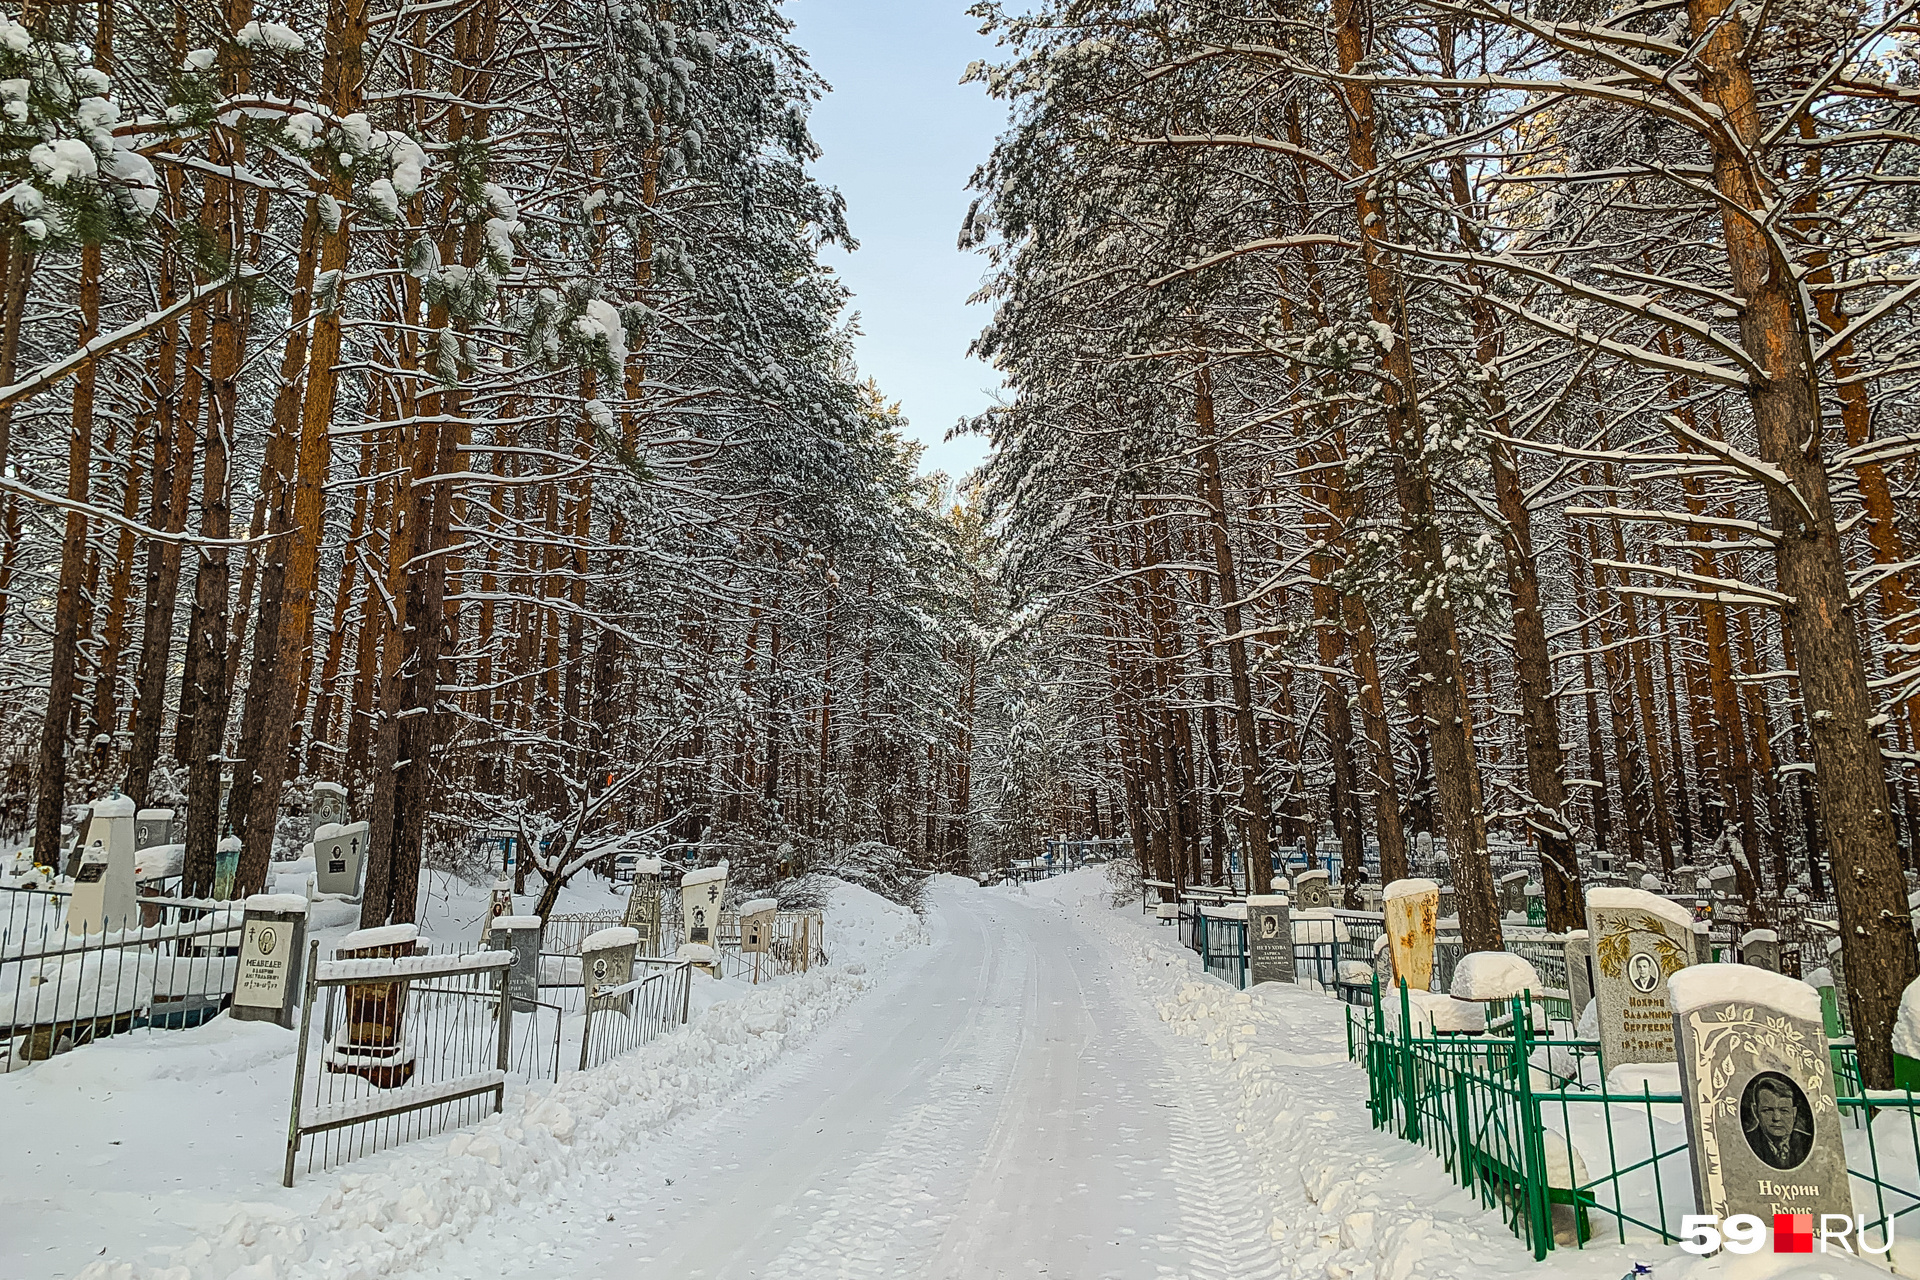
[(394, 1048), (59, 991), (627, 1015)]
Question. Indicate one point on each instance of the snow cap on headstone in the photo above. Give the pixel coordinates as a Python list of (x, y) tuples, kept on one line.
[(617, 936), (1699, 985), (1641, 900), (703, 874), (1412, 887)]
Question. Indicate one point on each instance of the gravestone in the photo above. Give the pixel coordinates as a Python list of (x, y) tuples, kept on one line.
[(1423, 850), (606, 962), (1837, 965), (73, 838), (1639, 941), (152, 828), (1269, 939), (500, 903), (226, 865), (1579, 971), (643, 905), (1446, 902), (1756, 1082), (328, 808), (756, 925), (1513, 893), (520, 935), (266, 986), (1412, 915), (371, 1042), (701, 893), (1761, 949), (1311, 890), (103, 882), (338, 854)]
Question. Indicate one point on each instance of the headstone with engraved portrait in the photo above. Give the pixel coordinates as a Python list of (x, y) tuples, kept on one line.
[(1639, 941), (152, 828), (702, 891), (1269, 939), (1756, 1082)]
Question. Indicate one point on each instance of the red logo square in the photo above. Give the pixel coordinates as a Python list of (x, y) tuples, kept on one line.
[(1793, 1233)]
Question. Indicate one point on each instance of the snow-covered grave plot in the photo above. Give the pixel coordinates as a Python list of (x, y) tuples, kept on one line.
[(138, 1154)]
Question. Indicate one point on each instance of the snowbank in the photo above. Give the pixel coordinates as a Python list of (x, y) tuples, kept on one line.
[(1493, 975), (387, 1215)]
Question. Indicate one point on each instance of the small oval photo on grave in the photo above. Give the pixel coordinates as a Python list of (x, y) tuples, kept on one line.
[(1777, 1120)]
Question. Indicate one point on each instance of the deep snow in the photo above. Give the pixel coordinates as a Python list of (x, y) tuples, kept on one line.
[(1052, 1086)]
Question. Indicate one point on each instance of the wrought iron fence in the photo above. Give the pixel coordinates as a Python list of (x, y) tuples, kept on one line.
[(1532, 1125), (171, 967), (624, 1017), (402, 1047)]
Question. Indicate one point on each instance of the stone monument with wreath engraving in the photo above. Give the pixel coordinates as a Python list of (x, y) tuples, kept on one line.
[(1756, 1080), (1639, 941)]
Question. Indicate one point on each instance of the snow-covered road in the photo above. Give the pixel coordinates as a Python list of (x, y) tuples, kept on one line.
[(1004, 1103)]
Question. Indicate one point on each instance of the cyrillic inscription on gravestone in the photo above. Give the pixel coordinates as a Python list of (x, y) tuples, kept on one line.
[(1639, 940), (1269, 939), (272, 942), (1412, 909), (701, 893), (1756, 1080)]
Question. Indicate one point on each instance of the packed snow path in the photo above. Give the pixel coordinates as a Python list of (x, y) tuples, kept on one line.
[(1005, 1103)]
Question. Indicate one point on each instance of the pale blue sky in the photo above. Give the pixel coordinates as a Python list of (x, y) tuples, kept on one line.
[(901, 137)]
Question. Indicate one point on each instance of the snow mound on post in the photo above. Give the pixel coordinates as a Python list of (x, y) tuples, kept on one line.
[(704, 874), (386, 935), (1699, 985), (113, 807), (1906, 1027), (1752, 936), (1640, 900), (618, 936), (760, 906), (1493, 975), (1411, 888)]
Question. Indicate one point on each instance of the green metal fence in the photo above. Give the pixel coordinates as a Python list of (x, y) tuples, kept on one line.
[(1530, 1123)]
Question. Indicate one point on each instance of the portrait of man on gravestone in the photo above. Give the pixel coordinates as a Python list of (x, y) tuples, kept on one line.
[(1643, 971), (1777, 1120)]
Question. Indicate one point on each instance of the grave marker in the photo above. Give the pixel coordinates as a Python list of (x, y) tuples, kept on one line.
[(1412, 918), (1513, 893), (606, 962), (1579, 971), (103, 882), (756, 929), (328, 808), (1639, 940), (1311, 890), (520, 935), (338, 854), (369, 1042), (266, 986), (1269, 939), (643, 905), (1761, 949), (1756, 1081), (701, 893), (152, 828)]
